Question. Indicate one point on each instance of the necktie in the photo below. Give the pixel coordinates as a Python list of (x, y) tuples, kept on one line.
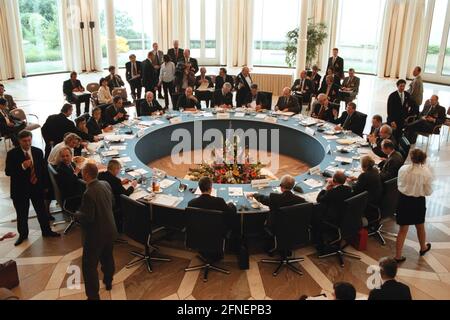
[(116, 83), (301, 85), (33, 178), (134, 72), (402, 97), (347, 122), (157, 58)]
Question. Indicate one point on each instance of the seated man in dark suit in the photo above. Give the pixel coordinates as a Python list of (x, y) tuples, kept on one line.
[(332, 205), (330, 88), (323, 109), (303, 88), (114, 80), (68, 179), (350, 119), (377, 122), (95, 124), (350, 86), (9, 125), (223, 78), (10, 103), (208, 202), (391, 289), (432, 115), (116, 113), (256, 100), (188, 102), (279, 200), (201, 83), (393, 163), (117, 187), (74, 92), (223, 98), (150, 106), (375, 141), (288, 103), (369, 180)]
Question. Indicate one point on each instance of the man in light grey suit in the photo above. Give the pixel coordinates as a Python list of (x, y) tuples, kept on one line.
[(99, 231), (350, 86), (416, 87)]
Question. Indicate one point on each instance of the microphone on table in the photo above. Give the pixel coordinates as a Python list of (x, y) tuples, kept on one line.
[(182, 187)]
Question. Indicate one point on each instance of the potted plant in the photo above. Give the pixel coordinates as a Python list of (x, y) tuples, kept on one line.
[(317, 33)]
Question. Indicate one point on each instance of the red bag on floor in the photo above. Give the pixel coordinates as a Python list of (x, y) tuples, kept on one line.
[(360, 241)]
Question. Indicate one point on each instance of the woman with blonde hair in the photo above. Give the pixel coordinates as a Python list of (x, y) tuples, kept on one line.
[(414, 184)]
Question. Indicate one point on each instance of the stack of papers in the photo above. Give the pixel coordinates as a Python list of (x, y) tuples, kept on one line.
[(124, 159), (110, 153), (166, 200), (311, 197), (138, 194), (312, 183), (119, 148), (327, 137), (283, 113), (166, 183), (239, 114), (138, 173), (235, 192), (343, 159)]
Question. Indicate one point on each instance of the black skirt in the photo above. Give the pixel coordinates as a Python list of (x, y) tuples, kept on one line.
[(411, 210)]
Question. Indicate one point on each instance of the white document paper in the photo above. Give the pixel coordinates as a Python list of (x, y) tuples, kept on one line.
[(328, 137), (344, 159), (110, 153), (124, 159), (311, 197), (260, 116), (235, 192), (312, 183), (166, 183), (166, 200), (138, 194), (239, 114)]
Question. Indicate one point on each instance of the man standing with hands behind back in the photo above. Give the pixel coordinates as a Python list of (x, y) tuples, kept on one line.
[(336, 63), (99, 231), (133, 76), (29, 177)]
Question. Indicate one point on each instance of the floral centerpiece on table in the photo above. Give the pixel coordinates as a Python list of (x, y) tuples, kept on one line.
[(230, 165)]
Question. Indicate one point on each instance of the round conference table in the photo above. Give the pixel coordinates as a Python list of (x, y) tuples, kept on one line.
[(143, 140)]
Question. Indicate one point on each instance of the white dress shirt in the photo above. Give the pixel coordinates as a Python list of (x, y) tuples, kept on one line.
[(167, 73), (415, 180), (104, 95), (30, 155)]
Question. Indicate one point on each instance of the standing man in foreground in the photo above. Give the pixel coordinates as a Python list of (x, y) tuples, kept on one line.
[(29, 177), (99, 231)]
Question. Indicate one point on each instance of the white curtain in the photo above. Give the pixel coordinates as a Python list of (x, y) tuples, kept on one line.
[(169, 23), (11, 53), (400, 37), (237, 33), (81, 47)]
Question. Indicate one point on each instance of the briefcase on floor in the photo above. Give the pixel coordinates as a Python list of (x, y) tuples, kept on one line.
[(9, 278), (359, 242)]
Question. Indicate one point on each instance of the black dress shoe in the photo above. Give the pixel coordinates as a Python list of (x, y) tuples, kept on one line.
[(422, 253), (51, 234), (401, 260), (108, 286), (19, 241)]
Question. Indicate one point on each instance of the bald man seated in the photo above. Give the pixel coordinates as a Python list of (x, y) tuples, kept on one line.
[(288, 103)]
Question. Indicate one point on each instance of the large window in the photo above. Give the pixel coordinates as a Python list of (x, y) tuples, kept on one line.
[(272, 20), (437, 61), (41, 36), (358, 33), (134, 29), (202, 30)]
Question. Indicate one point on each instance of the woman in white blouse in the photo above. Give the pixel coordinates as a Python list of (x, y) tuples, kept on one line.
[(166, 78), (414, 184), (104, 94)]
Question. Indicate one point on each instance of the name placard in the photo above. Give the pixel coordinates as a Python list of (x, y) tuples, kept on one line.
[(310, 131), (223, 115), (270, 119), (260, 184), (175, 120), (315, 170)]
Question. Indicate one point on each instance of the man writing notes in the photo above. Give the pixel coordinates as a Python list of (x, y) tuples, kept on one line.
[(75, 93), (223, 98), (288, 103)]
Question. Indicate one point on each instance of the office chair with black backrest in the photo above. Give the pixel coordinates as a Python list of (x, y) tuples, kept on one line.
[(62, 202), (404, 147), (137, 224), (349, 227), (267, 98), (359, 131), (291, 227), (205, 233), (175, 97), (138, 104)]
